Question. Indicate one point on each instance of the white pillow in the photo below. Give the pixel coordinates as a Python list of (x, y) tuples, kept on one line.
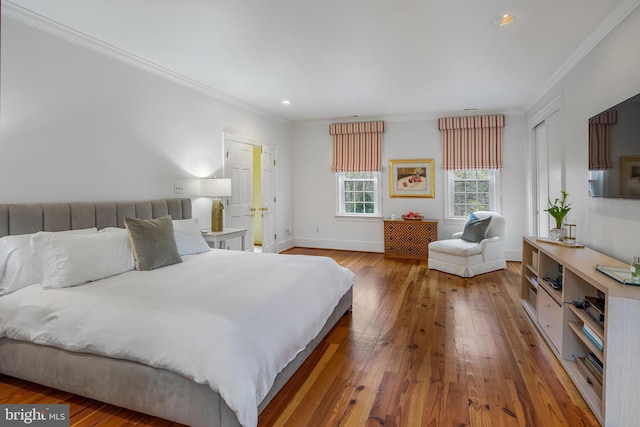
[(71, 259), (16, 266), (111, 229), (188, 237), (19, 267)]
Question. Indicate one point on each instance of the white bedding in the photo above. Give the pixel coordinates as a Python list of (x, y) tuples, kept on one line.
[(228, 319)]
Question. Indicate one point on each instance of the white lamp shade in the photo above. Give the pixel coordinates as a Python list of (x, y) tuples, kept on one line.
[(215, 187)]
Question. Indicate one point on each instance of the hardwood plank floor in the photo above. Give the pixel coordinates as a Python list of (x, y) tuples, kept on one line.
[(421, 348)]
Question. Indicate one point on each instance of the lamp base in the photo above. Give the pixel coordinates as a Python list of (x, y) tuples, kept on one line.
[(216, 215)]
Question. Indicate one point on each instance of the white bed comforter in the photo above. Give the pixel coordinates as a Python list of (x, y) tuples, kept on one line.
[(228, 319)]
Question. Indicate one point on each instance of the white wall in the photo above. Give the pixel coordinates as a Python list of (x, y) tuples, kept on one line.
[(608, 75), (76, 125), (79, 126), (315, 189)]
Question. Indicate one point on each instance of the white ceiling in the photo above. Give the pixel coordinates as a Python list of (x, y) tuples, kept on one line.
[(339, 58)]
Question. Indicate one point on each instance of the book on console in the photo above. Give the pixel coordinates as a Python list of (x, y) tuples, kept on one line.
[(592, 368), (595, 302), (595, 314), (592, 336), (596, 362)]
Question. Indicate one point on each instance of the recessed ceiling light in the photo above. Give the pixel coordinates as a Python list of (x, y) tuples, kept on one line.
[(286, 102), (503, 20)]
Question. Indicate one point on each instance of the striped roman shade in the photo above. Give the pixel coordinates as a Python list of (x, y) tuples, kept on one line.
[(473, 142), (357, 147), (600, 140)]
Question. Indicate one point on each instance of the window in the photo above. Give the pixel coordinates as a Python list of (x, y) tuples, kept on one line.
[(471, 190), (358, 193)]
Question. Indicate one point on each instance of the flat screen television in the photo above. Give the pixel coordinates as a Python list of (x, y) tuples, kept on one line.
[(614, 151)]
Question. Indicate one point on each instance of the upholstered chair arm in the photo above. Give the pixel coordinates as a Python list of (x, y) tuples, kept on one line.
[(492, 248)]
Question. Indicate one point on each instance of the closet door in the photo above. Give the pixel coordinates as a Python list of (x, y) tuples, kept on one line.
[(549, 171)]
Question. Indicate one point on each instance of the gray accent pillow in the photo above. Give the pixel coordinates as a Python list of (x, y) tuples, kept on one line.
[(476, 230), (153, 242)]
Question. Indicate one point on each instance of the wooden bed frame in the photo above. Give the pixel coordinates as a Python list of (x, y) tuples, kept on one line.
[(131, 385)]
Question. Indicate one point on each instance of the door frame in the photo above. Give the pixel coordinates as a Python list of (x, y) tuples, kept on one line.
[(532, 165), (269, 202), (230, 137)]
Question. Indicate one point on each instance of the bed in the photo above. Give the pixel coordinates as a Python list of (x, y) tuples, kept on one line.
[(169, 389)]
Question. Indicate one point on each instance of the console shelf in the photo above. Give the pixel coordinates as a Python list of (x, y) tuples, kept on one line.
[(577, 329), (609, 394)]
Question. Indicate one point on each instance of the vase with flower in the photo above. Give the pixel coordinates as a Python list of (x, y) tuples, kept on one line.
[(558, 210)]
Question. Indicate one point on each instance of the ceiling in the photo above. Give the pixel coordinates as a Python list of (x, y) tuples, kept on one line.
[(336, 59)]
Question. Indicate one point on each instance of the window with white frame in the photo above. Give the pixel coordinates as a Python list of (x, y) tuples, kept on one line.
[(470, 190), (359, 193)]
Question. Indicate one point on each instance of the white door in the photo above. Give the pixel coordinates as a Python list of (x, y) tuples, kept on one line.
[(268, 208), (542, 184), (549, 156), (238, 167)]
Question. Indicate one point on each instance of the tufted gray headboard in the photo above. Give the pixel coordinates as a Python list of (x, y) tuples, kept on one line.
[(33, 217)]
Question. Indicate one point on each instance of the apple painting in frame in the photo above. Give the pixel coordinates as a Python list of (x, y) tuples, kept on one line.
[(411, 178)]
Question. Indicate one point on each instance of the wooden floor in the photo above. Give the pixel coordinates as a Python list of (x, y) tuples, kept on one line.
[(421, 348)]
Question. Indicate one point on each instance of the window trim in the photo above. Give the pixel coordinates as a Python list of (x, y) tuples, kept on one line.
[(495, 189), (377, 198)]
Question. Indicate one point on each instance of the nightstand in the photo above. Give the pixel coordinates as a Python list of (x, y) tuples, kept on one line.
[(218, 238)]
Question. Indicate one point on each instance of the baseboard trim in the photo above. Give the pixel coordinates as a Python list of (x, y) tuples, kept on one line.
[(285, 245), (345, 245), (363, 246), (513, 255)]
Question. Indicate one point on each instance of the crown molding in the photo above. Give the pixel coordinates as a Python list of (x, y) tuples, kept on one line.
[(419, 117), (612, 20), (42, 23), (545, 112)]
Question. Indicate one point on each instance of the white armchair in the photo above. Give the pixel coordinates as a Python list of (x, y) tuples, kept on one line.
[(467, 259)]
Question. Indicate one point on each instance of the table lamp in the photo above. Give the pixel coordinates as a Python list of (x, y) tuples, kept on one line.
[(216, 188)]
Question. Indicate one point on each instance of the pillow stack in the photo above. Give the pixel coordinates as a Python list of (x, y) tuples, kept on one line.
[(70, 258), (20, 262)]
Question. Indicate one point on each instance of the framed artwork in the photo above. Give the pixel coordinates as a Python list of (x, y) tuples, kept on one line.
[(630, 176), (411, 178)]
